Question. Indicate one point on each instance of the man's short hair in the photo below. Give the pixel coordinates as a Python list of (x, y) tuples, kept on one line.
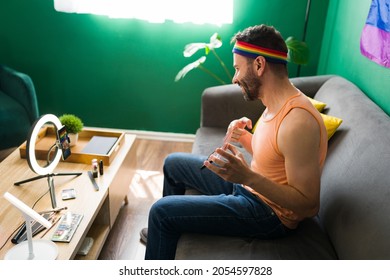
[(266, 37)]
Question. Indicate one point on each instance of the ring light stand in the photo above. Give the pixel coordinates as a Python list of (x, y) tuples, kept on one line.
[(32, 160), (44, 249)]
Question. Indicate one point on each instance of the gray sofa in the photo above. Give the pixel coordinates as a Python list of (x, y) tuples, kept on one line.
[(353, 221)]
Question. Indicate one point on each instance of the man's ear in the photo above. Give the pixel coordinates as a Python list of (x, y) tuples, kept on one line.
[(260, 64)]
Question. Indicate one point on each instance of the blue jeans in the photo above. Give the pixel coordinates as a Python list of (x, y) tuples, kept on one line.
[(223, 209)]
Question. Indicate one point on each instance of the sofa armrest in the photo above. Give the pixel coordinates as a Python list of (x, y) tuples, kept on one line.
[(20, 87), (222, 104)]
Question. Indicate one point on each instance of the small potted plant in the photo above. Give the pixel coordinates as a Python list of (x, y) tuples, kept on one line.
[(73, 126)]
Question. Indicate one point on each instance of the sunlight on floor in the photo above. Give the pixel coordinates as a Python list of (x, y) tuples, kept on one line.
[(147, 184)]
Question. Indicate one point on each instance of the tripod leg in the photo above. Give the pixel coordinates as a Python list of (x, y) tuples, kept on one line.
[(43, 176), (68, 174), (29, 180)]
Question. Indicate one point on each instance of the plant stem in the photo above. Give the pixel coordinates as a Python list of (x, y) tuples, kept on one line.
[(201, 67), (222, 64)]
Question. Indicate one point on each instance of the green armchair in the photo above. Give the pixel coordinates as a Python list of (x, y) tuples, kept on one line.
[(18, 107)]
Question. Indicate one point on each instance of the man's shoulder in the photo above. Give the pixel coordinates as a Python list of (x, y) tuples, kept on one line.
[(298, 125)]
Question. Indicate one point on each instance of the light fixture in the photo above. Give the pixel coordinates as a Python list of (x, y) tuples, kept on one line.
[(31, 141), (31, 249), (46, 171)]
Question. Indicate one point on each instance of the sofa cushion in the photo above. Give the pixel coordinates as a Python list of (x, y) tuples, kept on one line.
[(225, 103), (355, 186), (208, 139), (307, 242)]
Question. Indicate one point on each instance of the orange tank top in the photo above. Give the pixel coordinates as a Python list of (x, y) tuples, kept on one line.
[(269, 162)]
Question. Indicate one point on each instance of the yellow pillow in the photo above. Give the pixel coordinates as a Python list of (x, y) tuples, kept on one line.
[(331, 124), (317, 104)]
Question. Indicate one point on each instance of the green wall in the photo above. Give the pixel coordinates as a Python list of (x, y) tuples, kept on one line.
[(341, 51), (120, 73)]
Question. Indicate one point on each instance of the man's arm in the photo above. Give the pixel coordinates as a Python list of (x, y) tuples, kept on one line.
[(299, 142)]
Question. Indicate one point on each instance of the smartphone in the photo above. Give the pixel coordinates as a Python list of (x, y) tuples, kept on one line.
[(63, 138)]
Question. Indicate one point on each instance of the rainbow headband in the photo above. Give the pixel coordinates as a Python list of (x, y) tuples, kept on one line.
[(253, 51)]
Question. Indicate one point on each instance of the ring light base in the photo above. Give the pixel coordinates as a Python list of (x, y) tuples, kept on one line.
[(43, 250), (31, 249)]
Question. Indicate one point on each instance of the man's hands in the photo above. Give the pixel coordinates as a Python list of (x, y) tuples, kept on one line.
[(236, 129), (229, 164), (227, 161)]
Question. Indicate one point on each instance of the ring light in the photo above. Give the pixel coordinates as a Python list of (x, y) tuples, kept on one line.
[(31, 140), (32, 160)]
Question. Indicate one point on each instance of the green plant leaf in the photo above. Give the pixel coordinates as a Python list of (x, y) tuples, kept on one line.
[(184, 71), (191, 49), (298, 51), (215, 41)]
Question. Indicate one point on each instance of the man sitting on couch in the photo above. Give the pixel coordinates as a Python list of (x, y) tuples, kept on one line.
[(281, 185)]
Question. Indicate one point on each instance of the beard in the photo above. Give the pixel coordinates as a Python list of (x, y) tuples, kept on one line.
[(250, 86)]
